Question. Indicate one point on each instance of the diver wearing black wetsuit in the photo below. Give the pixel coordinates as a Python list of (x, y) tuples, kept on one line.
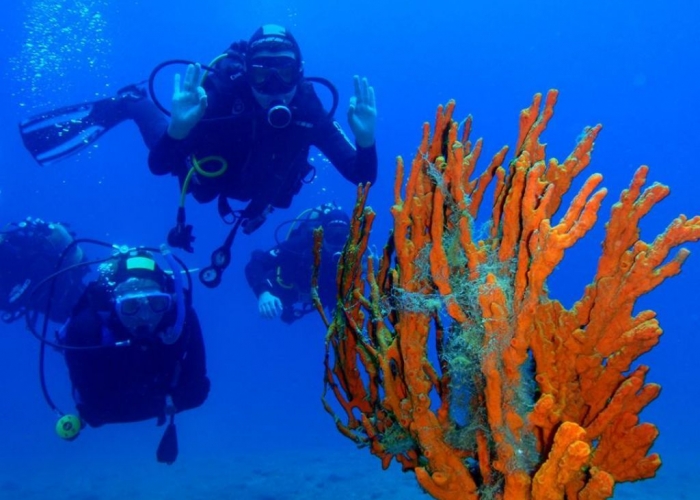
[(258, 114)]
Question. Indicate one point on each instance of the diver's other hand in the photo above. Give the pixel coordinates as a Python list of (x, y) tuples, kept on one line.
[(189, 102), (362, 113), (269, 305)]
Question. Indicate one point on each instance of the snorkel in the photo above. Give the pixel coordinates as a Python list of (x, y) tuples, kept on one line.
[(171, 334)]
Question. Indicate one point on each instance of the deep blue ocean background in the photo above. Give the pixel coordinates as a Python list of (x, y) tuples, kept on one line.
[(631, 65)]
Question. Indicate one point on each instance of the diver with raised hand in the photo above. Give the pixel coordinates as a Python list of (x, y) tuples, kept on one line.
[(240, 129), (243, 131)]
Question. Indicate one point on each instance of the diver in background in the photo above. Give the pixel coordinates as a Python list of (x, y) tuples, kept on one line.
[(281, 277), (29, 253)]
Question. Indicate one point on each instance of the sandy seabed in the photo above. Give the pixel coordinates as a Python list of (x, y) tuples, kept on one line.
[(249, 475)]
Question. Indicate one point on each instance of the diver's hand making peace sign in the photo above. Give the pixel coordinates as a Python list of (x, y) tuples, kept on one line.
[(362, 113), (189, 102)]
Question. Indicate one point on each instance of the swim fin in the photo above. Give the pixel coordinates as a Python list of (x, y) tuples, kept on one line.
[(55, 135), (167, 448)]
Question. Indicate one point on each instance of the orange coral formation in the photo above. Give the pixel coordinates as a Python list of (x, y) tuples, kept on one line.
[(447, 354)]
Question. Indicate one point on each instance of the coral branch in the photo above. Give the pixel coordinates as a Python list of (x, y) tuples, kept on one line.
[(447, 353)]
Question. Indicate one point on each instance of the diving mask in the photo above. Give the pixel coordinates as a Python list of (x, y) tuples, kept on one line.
[(131, 304), (140, 305), (336, 233), (273, 75)]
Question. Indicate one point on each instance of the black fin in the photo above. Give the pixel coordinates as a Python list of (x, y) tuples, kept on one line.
[(167, 449), (55, 135)]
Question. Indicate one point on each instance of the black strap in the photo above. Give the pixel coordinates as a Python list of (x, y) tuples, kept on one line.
[(251, 217)]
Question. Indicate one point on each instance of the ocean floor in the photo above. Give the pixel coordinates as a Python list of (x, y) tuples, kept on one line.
[(286, 475)]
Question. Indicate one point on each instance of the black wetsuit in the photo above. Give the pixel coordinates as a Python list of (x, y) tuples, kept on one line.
[(285, 271), (130, 383), (265, 164)]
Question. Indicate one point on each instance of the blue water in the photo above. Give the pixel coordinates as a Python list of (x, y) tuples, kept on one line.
[(631, 65)]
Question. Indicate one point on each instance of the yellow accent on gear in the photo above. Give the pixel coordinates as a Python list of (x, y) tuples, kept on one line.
[(197, 167), (141, 263), (197, 164)]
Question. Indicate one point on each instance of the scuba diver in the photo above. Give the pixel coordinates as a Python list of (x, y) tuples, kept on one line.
[(133, 347), (281, 277), (29, 253), (242, 129)]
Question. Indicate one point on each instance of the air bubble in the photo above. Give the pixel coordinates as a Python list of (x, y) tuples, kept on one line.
[(64, 37)]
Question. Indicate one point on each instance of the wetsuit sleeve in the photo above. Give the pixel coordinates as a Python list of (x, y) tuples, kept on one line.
[(168, 156), (356, 164), (150, 121), (259, 270), (192, 388)]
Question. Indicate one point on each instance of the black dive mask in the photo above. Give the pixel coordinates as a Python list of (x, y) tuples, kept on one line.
[(274, 75)]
